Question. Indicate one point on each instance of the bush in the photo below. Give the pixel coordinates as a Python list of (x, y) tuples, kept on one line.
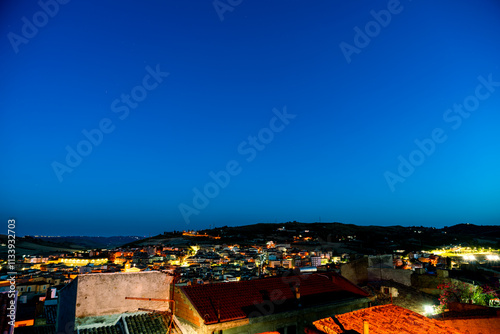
[(461, 292)]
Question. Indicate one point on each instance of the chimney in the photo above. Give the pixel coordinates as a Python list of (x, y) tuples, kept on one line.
[(366, 327), (218, 310), (297, 293)]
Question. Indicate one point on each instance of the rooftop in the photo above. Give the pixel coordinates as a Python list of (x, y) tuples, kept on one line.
[(238, 300), (385, 319)]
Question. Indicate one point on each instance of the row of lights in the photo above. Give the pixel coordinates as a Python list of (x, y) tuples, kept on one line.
[(489, 257)]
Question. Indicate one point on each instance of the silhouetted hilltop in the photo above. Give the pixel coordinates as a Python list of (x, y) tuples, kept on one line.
[(475, 230), (89, 242), (336, 236)]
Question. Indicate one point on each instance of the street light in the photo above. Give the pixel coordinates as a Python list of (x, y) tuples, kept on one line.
[(429, 309)]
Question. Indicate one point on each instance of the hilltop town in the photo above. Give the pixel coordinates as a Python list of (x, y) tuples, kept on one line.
[(404, 265)]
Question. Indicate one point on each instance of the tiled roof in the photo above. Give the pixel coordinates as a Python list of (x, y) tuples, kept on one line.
[(143, 323), (153, 323), (238, 300), (102, 330), (385, 319), (476, 325), (50, 313)]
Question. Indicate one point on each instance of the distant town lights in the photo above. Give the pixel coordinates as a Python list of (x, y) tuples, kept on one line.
[(492, 257), (469, 257)]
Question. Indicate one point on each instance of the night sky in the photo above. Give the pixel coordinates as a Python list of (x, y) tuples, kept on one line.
[(134, 118)]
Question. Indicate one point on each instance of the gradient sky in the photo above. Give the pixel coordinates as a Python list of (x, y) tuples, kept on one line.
[(229, 68)]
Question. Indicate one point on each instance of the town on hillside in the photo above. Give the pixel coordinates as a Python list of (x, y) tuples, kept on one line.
[(285, 278)]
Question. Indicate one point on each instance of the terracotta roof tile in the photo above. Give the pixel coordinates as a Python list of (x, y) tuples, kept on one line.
[(238, 300), (478, 325), (102, 330), (151, 323), (385, 319), (50, 312)]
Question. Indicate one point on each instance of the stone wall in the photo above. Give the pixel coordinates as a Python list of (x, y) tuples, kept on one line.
[(381, 261), (104, 294), (356, 271), (185, 311), (397, 275), (428, 283)]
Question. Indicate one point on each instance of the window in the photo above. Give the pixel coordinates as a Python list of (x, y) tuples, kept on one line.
[(28, 289)]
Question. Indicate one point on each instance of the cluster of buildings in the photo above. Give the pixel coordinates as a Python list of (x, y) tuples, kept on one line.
[(207, 263)]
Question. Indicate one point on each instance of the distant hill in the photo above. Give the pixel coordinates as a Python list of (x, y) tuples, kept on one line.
[(93, 242), (338, 236), (33, 246), (475, 230), (29, 245)]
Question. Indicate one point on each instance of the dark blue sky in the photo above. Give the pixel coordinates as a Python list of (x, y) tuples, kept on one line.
[(333, 110)]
